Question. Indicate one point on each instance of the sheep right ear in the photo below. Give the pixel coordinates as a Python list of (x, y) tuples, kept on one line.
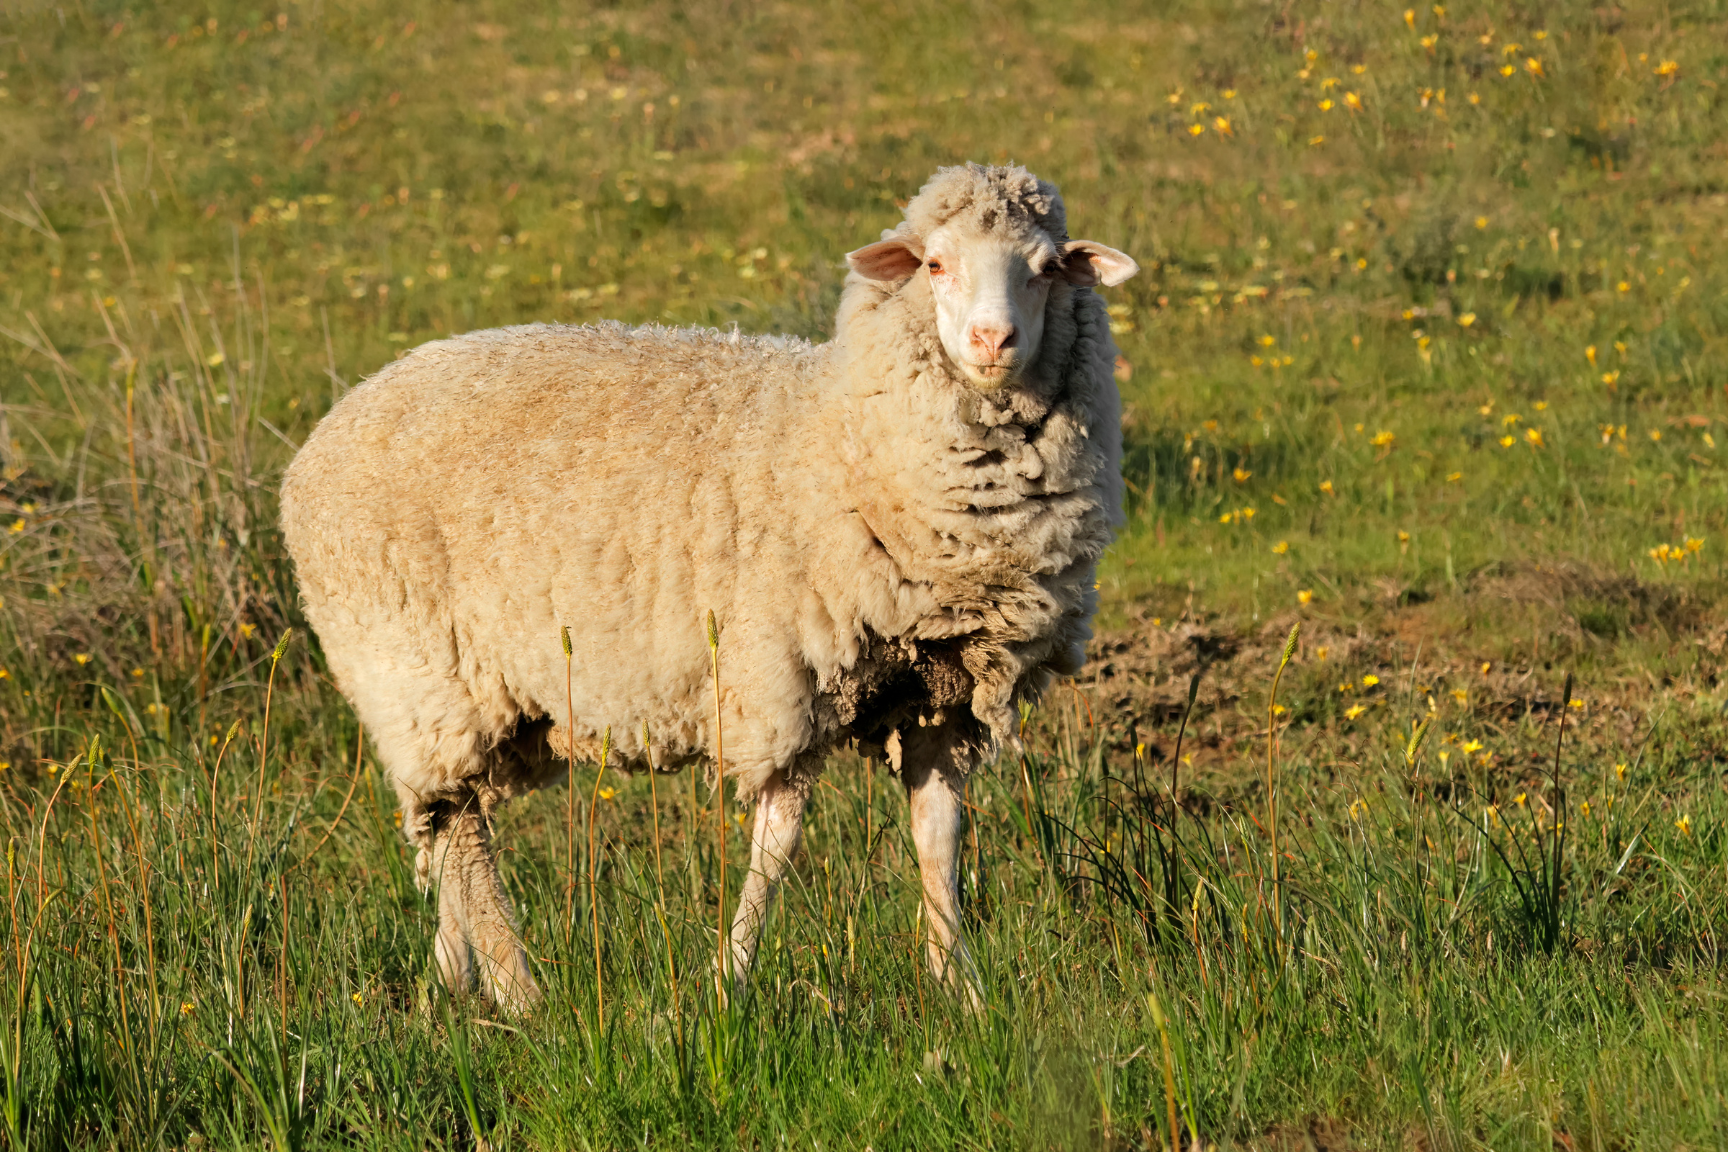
[(891, 259)]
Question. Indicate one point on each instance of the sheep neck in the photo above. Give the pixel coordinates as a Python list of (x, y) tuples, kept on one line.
[(962, 489)]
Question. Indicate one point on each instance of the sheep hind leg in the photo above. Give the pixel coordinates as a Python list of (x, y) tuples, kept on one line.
[(474, 918), (935, 792), (779, 824)]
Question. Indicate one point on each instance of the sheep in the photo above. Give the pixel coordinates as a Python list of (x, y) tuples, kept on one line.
[(897, 532)]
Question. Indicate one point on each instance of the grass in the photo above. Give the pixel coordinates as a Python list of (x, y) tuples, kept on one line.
[(1371, 257)]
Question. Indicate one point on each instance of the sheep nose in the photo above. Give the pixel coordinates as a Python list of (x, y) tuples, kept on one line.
[(990, 340)]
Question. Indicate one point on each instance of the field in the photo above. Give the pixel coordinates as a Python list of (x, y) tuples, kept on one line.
[(1428, 354)]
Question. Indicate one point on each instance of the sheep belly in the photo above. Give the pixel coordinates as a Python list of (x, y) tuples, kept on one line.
[(453, 512)]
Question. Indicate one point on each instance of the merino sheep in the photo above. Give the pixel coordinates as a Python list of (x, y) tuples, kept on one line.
[(897, 531)]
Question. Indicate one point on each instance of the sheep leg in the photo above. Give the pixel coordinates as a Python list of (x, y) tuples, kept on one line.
[(935, 792), (474, 919), (455, 958), (779, 823)]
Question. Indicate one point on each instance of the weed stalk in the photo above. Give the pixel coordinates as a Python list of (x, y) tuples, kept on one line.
[(721, 967), (1272, 783)]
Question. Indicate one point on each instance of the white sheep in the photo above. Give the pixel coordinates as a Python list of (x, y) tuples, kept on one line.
[(897, 531)]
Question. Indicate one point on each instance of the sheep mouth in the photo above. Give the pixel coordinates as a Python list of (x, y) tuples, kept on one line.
[(991, 376)]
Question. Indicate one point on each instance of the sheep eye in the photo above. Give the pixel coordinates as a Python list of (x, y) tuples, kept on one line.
[(935, 266)]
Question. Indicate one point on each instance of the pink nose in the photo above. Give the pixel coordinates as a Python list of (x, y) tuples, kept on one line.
[(989, 341)]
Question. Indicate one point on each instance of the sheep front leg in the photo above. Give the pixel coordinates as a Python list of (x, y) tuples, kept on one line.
[(935, 792), (474, 920), (779, 823)]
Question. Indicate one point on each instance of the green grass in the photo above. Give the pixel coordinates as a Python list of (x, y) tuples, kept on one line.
[(212, 229)]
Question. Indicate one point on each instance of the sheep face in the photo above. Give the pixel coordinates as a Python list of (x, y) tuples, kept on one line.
[(990, 290)]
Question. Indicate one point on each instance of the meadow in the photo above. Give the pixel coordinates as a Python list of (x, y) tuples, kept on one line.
[(1428, 356)]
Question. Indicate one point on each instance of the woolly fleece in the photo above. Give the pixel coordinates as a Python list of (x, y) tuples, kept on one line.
[(882, 543)]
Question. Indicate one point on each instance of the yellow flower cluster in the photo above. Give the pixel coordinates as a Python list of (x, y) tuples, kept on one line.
[(1666, 554)]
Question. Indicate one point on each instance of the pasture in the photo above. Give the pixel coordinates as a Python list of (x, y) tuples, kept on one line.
[(1428, 355)]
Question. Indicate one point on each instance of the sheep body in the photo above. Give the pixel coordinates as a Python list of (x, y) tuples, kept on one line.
[(881, 544)]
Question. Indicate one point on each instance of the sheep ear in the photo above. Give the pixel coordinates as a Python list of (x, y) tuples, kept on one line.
[(1086, 264), (892, 259)]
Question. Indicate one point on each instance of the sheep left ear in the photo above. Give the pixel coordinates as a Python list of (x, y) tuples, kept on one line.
[(892, 259), (1086, 263)]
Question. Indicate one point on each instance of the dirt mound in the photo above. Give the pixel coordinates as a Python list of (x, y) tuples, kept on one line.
[(1497, 649)]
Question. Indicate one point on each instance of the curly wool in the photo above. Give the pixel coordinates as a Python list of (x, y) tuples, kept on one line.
[(993, 199)]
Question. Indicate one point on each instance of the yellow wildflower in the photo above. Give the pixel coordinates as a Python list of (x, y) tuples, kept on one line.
[(1326, 487), (1467, 319), (1507, 441), (1382, 439), (1533, 66), (82, 658), (1472, 746), (1354, 711), (1685, 825), (1533, 436), (1304, 595), (1454, 477), (1240, 474), (1353, 101), (1461, 695), (1620, 771), (1196, 129), (1370, 680), (1281, 547), (1667, 68)]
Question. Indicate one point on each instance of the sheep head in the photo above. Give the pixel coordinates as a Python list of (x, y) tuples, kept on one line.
[(993, 243)]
